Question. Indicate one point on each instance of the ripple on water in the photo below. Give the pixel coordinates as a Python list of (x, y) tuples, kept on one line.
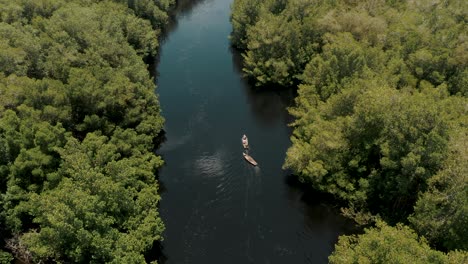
[(209, 166), (218, 174)]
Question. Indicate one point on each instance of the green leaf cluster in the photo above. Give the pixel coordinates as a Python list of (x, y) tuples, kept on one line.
[(5, 257)]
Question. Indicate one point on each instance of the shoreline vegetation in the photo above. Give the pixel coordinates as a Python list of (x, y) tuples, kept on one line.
[(380, 118), (78, 116)]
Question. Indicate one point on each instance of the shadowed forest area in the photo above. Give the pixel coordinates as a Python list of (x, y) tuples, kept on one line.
[(78, 117), (381, 115)]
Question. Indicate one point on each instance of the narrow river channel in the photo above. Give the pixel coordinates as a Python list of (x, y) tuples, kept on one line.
[(218, 208)]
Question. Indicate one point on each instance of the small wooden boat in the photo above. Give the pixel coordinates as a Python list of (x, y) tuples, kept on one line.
[(249, 159), (245, 142)]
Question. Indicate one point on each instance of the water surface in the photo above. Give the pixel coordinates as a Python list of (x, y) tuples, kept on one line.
[(218, 208)]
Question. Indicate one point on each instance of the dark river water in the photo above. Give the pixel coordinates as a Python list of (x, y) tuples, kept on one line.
[(218, 208)]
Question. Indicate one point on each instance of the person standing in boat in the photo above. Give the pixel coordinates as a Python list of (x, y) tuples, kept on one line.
[(245, 141)]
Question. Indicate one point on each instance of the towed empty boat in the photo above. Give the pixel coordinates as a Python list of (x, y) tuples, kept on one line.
[(249, 159)]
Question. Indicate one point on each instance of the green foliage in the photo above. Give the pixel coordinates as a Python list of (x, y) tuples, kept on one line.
[(244, 14), (25, 11), (20, 51), (105, 207), (272, 53), (78, 116), (5, 257), (153, 10), (342, 58), (440, 213), (405, 42), (370, 146), (386, 244)]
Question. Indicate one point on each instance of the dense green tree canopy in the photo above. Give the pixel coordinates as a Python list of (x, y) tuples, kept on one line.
[(441, 212), (386, 244), (78, 116), (371, 146), (325, 43), (103, 209)]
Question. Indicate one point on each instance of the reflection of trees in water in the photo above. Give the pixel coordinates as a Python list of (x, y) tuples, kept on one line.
[(182, 7), (268, 107), (268, 104), (321, 210), (156, 253)]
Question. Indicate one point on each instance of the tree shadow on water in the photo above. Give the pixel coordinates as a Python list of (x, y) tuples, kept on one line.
[(156, 253), (268, 104), (181, 8), (320, 209)]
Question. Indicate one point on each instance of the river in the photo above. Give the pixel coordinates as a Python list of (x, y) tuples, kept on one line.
[(218, 208)]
